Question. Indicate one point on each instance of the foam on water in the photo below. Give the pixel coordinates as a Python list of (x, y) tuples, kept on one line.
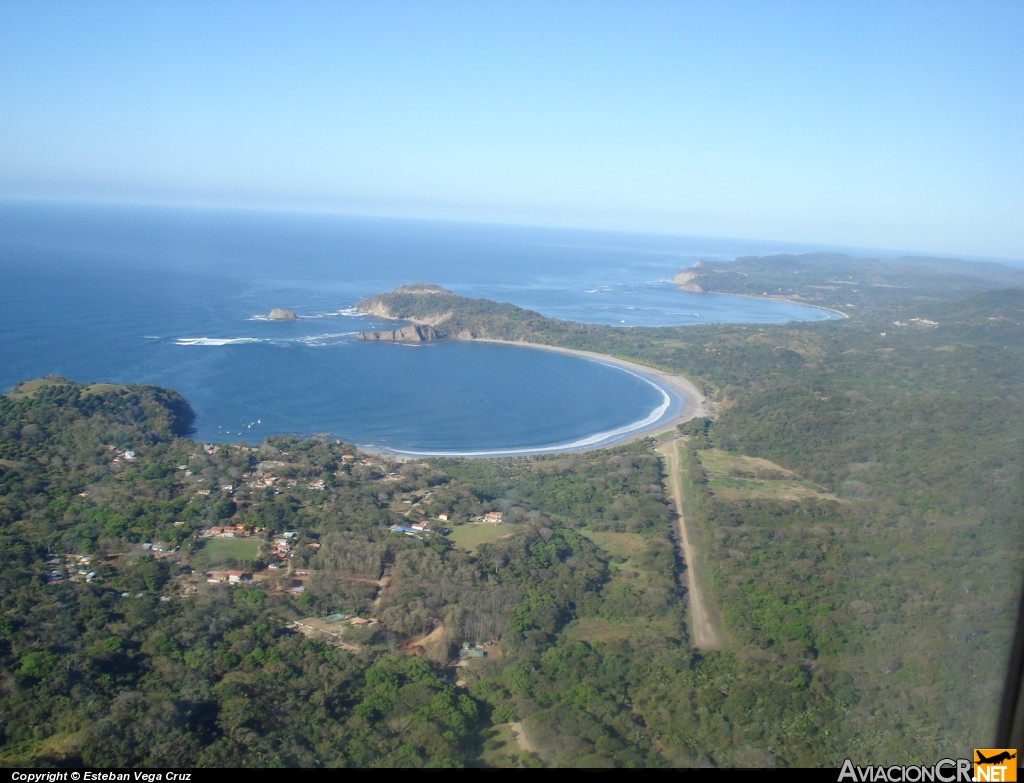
[(345, 312), (319, 340), (217, 341), (312, 340)]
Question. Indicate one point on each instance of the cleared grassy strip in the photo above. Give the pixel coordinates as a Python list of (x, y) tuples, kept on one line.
[(625, 546), (101, 388), (737, 477), (625, 550), (473, 534), (499, 749), (596, 629), (633, 595), (28, 388), (703, 541), (221, 551)]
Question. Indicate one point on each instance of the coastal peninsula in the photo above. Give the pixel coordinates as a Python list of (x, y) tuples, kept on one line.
[(842, 283), (451, 317)]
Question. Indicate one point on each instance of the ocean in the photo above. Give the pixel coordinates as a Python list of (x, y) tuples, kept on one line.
[(179, 297)]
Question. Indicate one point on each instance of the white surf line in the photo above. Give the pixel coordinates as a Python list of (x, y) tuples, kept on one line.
[(217, 341), (311, 340), (345, 312)]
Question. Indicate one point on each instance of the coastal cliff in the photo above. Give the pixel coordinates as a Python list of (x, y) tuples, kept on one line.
[(687, 278), (407, 334)]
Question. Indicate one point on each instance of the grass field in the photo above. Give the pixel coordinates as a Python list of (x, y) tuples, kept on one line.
[(101, 388), (28, 388), (623, 545), (623, 548), (473, 534), (600, 629), (595, 629), (625, 551), (218, 551), (737, 477)]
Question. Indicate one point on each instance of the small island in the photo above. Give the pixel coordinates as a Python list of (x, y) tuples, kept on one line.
[(282, 314)]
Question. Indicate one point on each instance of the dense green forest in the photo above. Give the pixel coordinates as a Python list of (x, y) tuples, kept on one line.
[(857, 503)]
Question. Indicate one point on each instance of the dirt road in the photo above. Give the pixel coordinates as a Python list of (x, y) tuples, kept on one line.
[(521, 739), (704, 629)]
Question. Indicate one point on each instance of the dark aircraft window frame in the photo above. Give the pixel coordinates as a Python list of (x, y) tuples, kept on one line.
[(1010, 726)]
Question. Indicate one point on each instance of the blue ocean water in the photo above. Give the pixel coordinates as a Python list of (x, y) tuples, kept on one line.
[(178, 298)]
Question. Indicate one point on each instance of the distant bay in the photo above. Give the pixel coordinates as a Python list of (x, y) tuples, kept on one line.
[(179, 298)]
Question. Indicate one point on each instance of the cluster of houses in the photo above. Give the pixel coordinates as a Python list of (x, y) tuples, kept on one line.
[(351, 620), (269, 482), (121, 455), (416, 530), (263, 477), (419, 529), (349, 459), (231, 531), (275, 482), (418, 520), (475, 649), (232, 577), (421, 525), (332, 629), (71, 567), (281, 548)]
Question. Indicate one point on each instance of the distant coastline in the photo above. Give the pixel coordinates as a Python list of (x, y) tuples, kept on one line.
[(840, 313)]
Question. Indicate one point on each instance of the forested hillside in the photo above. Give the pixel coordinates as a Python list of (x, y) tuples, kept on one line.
[(857, 502)]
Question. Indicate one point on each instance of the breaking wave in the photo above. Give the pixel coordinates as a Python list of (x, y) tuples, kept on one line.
[(216, 340), (313, 340), (317, 340), (345, 312)]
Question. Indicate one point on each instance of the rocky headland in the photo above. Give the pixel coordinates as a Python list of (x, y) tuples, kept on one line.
[(434, 313), (687, 278), (415, 333)]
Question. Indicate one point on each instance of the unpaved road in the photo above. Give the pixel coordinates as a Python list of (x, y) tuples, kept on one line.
[(705, 632)]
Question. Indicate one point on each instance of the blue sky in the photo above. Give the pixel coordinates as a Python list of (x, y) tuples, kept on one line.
[(893, 124)]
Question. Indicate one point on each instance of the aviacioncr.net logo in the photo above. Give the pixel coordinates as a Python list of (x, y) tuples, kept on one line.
[(944, 771)]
